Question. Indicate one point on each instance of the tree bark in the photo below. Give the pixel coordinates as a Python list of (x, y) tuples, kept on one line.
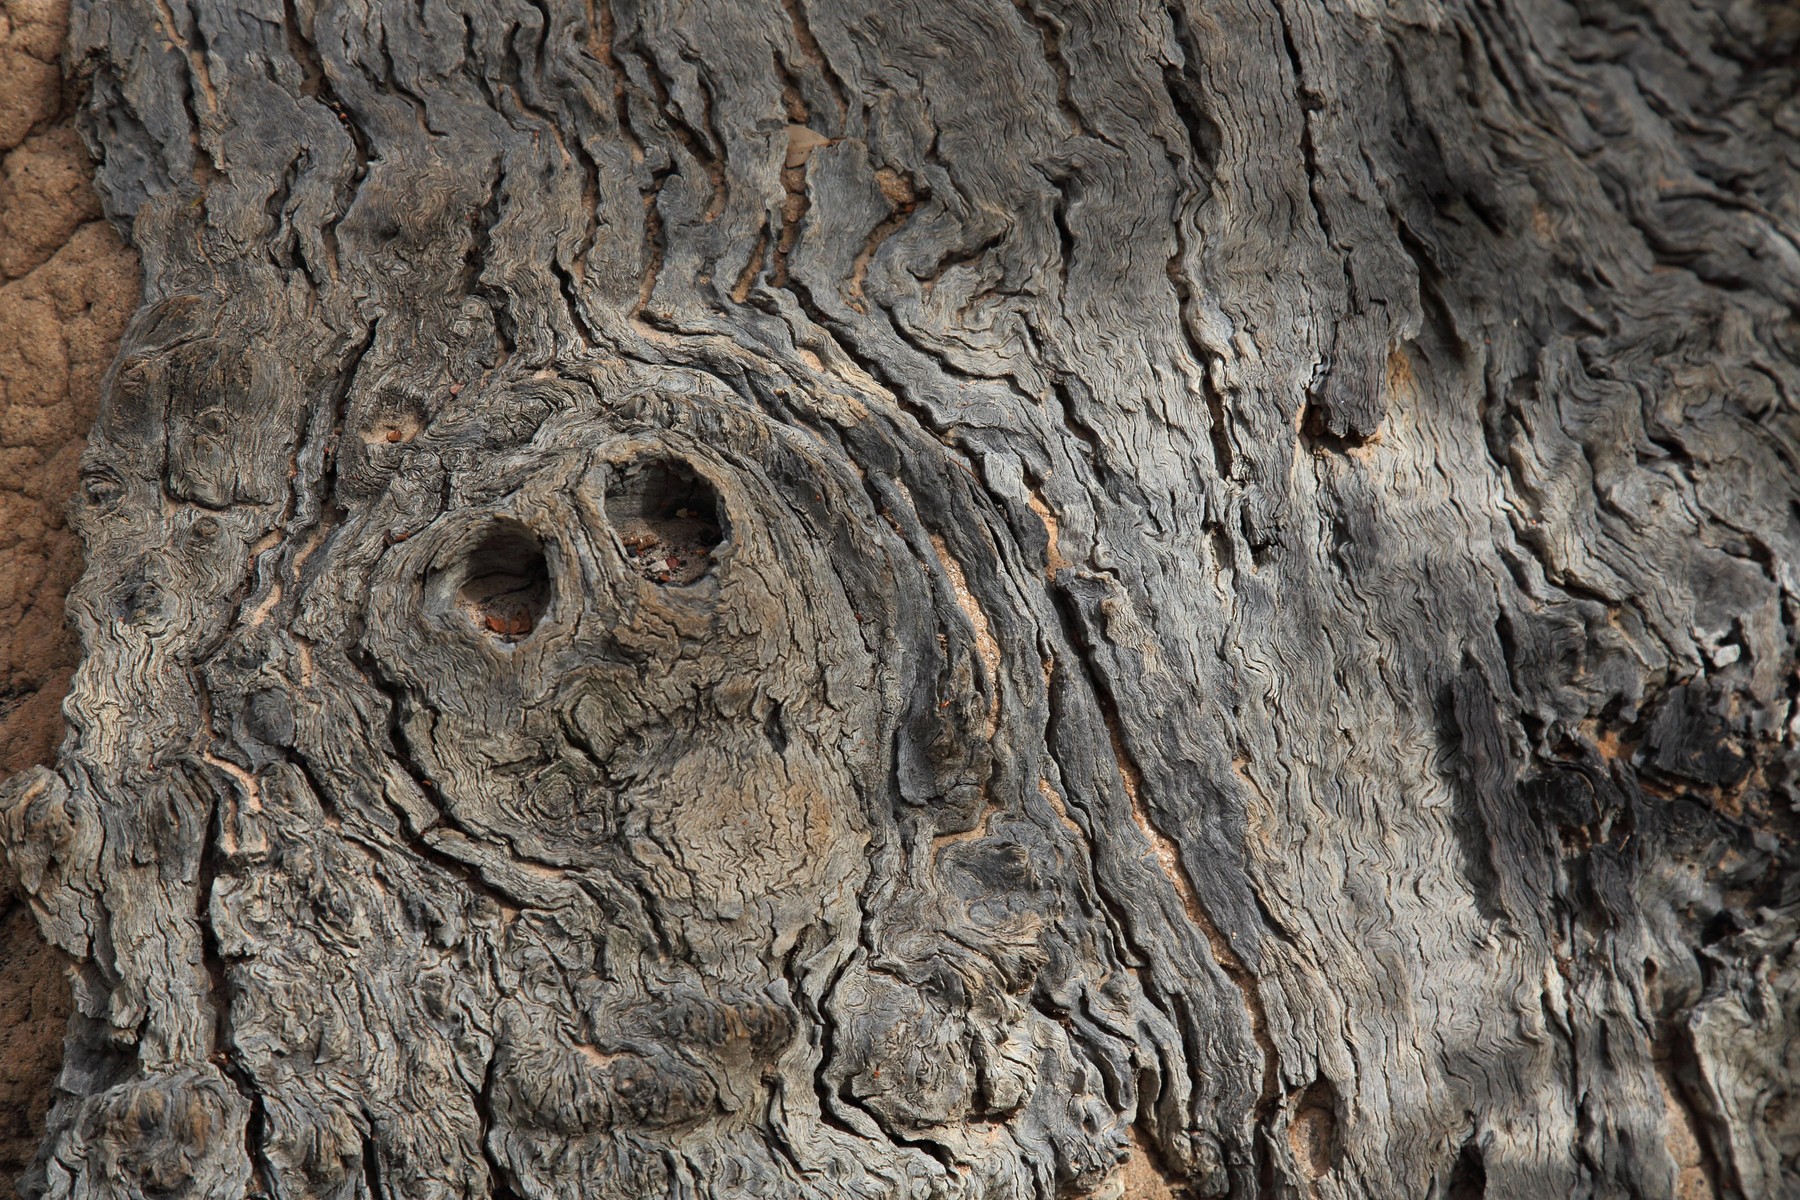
[(957, 598)]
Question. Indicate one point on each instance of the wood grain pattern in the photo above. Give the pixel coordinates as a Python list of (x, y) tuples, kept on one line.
[(1228, 625)]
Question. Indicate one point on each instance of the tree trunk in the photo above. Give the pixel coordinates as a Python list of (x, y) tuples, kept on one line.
[(972, 599)]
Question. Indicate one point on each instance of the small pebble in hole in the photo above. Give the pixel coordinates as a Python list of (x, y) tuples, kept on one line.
[(667, 518), (506, 583)]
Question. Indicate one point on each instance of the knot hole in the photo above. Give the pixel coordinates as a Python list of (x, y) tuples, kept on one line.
[(667, 519), (506, 583)]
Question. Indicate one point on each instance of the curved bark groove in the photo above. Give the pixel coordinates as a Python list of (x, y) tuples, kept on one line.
[(706, 599)]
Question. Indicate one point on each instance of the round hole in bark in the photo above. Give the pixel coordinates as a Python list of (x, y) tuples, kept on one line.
[(137, 601), (506, 583), (393, 419), (101, 487), (667, 518)]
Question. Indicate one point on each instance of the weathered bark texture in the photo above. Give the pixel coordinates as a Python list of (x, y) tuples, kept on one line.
[(67, 286), (948, 598)]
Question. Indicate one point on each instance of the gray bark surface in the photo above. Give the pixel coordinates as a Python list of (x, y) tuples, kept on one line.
[(955, 599)]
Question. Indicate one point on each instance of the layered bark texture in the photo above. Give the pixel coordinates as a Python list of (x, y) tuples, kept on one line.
[(955, 599), (67, 286)]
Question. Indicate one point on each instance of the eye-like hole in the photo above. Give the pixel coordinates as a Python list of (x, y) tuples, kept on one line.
[(667, 518), (393, 418), (101, 487), (506, 583), (138, 600)]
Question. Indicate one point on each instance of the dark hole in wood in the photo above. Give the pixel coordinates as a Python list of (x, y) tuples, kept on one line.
[(1468, 1178), (667, 518), (775, 729), (138, 601), (506, 583)]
